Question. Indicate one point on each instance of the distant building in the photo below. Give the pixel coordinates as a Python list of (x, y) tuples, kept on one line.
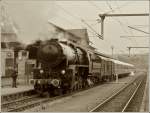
[(56, 32), (78, 36), (83, 37), (82, 34)]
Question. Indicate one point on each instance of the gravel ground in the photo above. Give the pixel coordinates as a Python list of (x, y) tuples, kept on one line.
[(83, 101)]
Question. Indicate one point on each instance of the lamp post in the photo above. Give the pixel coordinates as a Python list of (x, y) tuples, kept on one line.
[(112, 50)]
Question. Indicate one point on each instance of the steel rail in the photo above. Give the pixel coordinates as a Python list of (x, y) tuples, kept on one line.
[(45, 100), (19, 100), (38, 102), (128, 102), (112, 96), (29, 105)]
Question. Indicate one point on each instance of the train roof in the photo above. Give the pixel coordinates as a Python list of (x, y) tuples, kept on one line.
[(116, 61), (108, 58), (105, 58), (121, 63)]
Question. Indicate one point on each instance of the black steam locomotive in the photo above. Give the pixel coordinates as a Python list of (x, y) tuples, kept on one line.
[(63, 67)]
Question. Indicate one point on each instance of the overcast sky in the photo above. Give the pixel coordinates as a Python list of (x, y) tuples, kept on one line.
[(32, 17)]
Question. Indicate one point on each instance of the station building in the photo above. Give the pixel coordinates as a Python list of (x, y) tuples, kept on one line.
[(9, 56), (8, 36), (78, 36), (83, 37)]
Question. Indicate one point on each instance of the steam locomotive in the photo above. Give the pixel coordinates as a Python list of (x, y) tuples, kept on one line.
[(63, 67)]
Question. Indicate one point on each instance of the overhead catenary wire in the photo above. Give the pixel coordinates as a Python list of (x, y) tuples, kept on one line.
[(121, 24), (128, 29), (118, 8), (68, 13), (140, 26), (92, 3), (81, 20), (98, 8), (127, 24), (126, 36), (67, 20), (144, 14), (138, 30), (98, 35)]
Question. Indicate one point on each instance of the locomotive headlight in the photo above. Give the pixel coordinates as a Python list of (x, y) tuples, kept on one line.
[(63, 72), (41, 71)]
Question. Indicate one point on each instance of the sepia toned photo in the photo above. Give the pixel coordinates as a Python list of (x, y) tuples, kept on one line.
[(74, 56)]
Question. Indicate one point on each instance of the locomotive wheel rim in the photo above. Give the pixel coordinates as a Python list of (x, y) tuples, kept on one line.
[(59, 57)]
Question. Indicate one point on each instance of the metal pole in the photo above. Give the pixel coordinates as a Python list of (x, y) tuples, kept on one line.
[(112, 48), (110, 15), (129, 51), (102, 16), (0, 34), (98, 35), (102, 26), (133, 36), (137, 47), (149, 52)]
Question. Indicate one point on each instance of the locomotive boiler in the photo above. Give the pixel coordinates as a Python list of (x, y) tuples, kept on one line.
[(53, 53)]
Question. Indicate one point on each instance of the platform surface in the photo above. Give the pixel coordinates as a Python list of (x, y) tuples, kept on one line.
[(10, 90)]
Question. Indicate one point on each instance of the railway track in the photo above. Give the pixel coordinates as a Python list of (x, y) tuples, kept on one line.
[(14, 96), (136, 102), (31, 101), (119, 101), (27, 103), (12, 105)]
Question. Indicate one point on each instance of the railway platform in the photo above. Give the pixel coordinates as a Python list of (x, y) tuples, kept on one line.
[(20, 88)]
